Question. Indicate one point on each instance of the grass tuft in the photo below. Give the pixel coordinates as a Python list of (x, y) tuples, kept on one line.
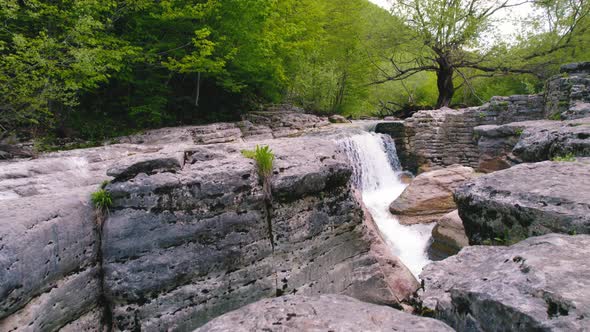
[(264, 158), (565, 158), (101, 200)]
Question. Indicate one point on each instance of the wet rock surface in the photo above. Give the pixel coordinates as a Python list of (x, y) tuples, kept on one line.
[(540, 284), (430, 195), (320, 313), (526, 200), (448, 236)]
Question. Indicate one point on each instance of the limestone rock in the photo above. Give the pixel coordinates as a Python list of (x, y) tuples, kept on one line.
[(321, 313), (184, 246), (526, 200), (567, 95), (554, 139), (540, 284), (448, 236), (430, 195), (147, 163), (48, 268)]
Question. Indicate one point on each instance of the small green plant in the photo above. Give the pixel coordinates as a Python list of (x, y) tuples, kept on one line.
[(518, 131), (555, 116), (481, 115), (264, 158), (565, 158), (564, 103), (101, 200)]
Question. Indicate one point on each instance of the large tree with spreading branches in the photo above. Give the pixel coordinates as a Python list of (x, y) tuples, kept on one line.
[(450, 35)]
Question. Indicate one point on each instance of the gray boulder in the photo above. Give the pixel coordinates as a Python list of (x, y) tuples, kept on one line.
[(503, 146), (322, 313), (526, 200), (540, 284)]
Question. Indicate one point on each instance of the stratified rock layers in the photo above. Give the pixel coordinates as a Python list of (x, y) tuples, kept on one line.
[(184, 246), (527, 200), (540, 284)]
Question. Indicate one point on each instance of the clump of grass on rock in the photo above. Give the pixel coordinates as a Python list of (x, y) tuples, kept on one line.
[(264, 158), (565, 158)]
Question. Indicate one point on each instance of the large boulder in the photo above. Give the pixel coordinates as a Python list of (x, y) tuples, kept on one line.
[(320, 313), (527, 200), (185, 245), (49, 273), (540, 284), (430, 195), (448, 236)]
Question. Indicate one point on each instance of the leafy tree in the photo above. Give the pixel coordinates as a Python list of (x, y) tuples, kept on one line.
[(449, 34)]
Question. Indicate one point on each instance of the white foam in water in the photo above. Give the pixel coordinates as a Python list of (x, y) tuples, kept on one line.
[(380, 185)]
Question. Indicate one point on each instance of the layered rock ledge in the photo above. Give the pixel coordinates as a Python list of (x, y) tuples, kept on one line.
[(321, 313), (502, 146), (189, 242), (527, 200), (540, 284)]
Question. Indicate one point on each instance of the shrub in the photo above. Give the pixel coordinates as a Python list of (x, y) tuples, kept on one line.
[(564, 158), (264, 158), (518, 132), (101, 200)]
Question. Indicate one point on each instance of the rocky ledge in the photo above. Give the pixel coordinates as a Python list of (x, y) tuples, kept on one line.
[(527, 200), (540, 284), (188, 241), (502, 146), (321, 313)]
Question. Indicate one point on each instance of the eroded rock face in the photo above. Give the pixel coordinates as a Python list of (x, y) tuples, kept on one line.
[(503, 146), (568, 95), (48, 266), (540, 284), (182, 246), (430, 195), (448, 236), (320, 313), (526, 200)]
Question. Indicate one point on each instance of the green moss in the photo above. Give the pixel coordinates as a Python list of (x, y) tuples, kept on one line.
[(101, 200), (568, 157)]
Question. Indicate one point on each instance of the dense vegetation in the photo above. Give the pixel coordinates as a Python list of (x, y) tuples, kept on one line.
[(98, 68)]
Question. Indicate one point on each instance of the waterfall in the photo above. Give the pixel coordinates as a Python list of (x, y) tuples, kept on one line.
[(376, 169)]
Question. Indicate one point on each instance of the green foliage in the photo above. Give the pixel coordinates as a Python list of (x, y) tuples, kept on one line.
[(568, 157), (101, 200), (264, 158), (98, 69), (556, 116), (518, 132)]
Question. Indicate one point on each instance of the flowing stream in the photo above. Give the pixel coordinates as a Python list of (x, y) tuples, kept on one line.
[(376, 174)]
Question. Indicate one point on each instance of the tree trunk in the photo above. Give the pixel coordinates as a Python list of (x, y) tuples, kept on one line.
[(444, 81)]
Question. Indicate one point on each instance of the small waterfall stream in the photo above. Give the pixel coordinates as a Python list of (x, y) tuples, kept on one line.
[(376, 169)]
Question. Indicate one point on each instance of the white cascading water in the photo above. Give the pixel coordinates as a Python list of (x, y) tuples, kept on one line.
[(376, 170)]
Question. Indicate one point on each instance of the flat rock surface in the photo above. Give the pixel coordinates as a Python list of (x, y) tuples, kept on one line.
[(527, 200), (540, 284), (322, 313)]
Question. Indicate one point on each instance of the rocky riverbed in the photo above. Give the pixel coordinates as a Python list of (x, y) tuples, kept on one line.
[(194, 241)]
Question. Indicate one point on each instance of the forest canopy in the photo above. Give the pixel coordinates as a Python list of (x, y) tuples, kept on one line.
[(99, 68)]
